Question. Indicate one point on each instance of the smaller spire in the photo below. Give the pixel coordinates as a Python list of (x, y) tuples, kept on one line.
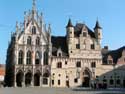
[(33, 8), (34, 5), (69, 23), (97, 25), (17, 27), (49, 28)]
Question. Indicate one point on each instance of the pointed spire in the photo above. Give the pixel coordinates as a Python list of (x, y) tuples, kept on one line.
[(49, 28), (69, 24), (97, 25), (33, 8), (34, 5), (17, 27)]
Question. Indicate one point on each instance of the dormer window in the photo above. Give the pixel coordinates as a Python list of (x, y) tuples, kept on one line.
[(84, 34), (59, 52), (110, 59), (33, 30)]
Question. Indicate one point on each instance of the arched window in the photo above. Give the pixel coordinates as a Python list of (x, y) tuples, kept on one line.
[(28, 58), (45, 58), (59, 65), (29, 40), (37, 58), (37, 41), (33, 30), (20, 57)]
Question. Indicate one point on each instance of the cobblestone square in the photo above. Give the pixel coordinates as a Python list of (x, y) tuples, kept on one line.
[(39, 90)]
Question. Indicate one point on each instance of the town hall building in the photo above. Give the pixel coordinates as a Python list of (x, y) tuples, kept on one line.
[(37, 58)]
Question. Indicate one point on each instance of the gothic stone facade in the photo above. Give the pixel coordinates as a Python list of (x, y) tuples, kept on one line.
[(35, 58)]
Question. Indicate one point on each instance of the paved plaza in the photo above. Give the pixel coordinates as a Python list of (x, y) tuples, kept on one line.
[(38, 90)]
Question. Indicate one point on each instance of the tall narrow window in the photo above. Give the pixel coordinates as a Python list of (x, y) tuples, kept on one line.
[(77, 46), (37, 58), (45, 58), (52, 82), (37, 41), (28, 59), (20, 57), (78, 64), (33, 30), (93, 64), (92, 46), (59, 65), (29, 40), (58, 82)]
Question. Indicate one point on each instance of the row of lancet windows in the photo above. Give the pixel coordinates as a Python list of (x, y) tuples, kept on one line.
[(29, 57), (29, 41)]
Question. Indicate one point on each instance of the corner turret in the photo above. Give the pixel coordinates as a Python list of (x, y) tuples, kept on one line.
[(98, 31), (70, 29)]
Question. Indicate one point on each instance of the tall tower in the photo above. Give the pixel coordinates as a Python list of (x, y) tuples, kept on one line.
[(70, 35), (98, 32)]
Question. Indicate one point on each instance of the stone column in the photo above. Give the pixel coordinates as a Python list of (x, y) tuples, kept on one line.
[(23, 82), (24, 59), (40, 80), (32, 81)]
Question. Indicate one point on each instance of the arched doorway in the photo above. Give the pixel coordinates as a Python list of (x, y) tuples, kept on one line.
[(19, 78), (37, 79), (28, 79), (45, 77), (86, 78)]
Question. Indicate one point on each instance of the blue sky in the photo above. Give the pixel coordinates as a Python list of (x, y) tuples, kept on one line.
[(111, 15)]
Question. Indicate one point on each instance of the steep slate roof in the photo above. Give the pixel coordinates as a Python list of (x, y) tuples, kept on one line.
[(116, 54), (78, 30), (97, 25), (69, 24), (59, 42)]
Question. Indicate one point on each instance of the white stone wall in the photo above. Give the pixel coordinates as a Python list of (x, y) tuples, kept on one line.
[(1, 78), (69, 70)]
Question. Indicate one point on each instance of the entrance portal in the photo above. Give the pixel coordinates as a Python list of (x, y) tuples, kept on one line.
[(28, 79), (19, 79), (86, 79), (37, 79)]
